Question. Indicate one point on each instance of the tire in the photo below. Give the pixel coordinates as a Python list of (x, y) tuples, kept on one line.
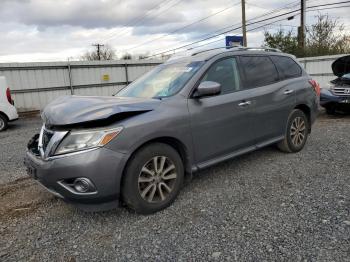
[(330, 110), (143, 188), (297, 132), (3, 123)]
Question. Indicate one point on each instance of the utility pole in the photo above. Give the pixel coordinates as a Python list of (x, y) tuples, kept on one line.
[(302, 24), (244, 24), (98, 46)]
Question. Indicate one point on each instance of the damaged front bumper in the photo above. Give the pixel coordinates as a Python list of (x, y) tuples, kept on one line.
[(102, 169)]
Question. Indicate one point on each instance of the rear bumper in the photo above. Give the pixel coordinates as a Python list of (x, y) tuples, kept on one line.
[(103, 167), (10, 111)]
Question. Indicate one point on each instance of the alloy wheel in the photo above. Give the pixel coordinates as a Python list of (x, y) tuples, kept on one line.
[(157, 179), (298, 131)]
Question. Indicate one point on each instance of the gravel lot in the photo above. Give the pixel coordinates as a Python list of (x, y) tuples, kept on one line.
[(263, 206)]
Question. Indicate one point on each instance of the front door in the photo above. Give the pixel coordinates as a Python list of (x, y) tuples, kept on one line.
[(221, 124)]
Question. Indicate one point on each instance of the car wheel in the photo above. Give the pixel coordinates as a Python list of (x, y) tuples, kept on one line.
[(3, 123), (152, 178), (330, 110), (296, 134)]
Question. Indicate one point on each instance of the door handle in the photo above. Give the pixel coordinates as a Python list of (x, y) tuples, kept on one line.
[(288, 92), (245, 103)]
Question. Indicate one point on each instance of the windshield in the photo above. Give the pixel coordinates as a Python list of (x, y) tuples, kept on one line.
[(164, 80)]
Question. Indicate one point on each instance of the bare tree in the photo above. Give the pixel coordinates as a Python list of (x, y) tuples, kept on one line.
[(126, 56), (327, 37), (106, 53)]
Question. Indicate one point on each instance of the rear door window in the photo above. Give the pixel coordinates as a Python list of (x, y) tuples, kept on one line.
[(286, 67), (259, 70)]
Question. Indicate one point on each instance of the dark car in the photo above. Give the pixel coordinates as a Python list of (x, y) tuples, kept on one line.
[(336, 96), (187, 114)]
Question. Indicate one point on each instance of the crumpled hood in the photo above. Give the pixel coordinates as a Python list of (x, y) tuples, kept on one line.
[(341, 66), (71, 110)]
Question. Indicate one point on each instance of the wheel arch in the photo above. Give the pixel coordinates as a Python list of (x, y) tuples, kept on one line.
[(175, 143), (3, 114)]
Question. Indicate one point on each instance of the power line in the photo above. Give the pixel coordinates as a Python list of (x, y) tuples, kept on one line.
[(143, 18), (288, 6), (264, 25), (131, 22), (232, 29), (184, 27), (249, 30), (328, 8)]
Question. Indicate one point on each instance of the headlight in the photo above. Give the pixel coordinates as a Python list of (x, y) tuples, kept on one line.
[(329, 86), (82, 140)]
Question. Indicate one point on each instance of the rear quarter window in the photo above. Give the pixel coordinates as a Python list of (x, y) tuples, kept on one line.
[(286, 67), (258, 70)]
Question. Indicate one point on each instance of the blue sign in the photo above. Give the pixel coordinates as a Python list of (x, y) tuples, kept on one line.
[(232, 40)]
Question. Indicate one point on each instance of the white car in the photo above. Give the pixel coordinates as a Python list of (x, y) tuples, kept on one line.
[(8, 112)]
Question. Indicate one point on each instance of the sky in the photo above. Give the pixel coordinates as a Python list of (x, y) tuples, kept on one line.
[(57, 30)]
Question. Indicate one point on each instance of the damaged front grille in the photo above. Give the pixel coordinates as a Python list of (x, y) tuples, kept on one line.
[(46, 138), (48, 141)]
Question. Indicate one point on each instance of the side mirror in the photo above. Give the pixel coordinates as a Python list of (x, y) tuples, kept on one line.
[(207, 88)]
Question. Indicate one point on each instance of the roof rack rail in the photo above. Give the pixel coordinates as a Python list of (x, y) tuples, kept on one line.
[(238, 48), (262, 48), (216, 48), (227, 48)]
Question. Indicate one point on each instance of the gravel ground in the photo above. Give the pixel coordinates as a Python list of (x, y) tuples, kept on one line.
[(13, 144), (264, 206)]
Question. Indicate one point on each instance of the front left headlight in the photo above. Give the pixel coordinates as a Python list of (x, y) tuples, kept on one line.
[(82, 140), (329, 86)]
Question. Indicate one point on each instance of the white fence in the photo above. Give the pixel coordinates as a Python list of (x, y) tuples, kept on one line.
[(320, 68), (36, 84)]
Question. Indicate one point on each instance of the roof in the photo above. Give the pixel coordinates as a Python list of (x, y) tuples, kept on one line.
[(203, 55)]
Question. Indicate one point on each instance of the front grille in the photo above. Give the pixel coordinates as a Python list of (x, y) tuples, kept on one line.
[(47, 135), (48, 141), (341, 91)]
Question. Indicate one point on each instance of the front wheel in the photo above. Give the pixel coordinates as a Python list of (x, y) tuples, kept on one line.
[(153, 178), (296, 134)]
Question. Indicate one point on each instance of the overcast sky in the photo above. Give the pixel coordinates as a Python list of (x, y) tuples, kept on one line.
[(55, 30)]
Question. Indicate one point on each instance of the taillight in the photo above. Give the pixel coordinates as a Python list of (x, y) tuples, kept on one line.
[(315, 86), (8, 95)]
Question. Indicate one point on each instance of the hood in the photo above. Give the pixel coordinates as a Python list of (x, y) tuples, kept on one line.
[(75, 110), (341, 66)]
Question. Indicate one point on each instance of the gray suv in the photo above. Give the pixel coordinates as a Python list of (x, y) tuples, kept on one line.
[(139, 146)]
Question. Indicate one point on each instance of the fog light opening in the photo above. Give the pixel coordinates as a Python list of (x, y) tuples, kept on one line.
[(83, 185)]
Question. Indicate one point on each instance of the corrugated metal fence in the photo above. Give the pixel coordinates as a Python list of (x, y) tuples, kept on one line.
[(36, 84)]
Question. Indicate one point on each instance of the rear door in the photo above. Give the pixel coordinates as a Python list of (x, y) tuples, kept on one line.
[(221, 124), (273, 99)]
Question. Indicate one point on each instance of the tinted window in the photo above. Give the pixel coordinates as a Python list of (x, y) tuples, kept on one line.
[(226, 73), (286, 66), (259, 70)]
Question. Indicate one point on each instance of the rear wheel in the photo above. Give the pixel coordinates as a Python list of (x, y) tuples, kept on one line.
[(153, 178), (296, 134), (3, 123)]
